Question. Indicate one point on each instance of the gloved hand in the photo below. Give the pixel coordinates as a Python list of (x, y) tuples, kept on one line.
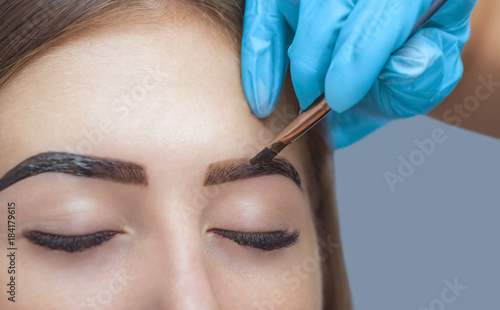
[(357, 53)]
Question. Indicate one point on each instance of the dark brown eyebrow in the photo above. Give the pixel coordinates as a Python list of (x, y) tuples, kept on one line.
[(232, 170), (79, 165)]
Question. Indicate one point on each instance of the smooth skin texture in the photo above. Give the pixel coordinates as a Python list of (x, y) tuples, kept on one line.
[(474, 104), (86, 96), (358, 54)]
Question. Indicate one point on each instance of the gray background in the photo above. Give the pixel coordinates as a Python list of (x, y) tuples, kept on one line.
[(442, 223)]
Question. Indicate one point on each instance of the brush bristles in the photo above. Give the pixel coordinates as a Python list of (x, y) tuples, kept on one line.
[(264, 156)]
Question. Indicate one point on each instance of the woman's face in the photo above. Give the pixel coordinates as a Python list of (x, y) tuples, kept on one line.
[(166, 97)]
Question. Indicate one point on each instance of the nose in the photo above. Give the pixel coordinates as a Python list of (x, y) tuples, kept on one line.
[(187, 288), (180, 268)]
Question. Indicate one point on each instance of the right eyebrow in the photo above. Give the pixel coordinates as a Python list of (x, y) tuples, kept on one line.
[(232, 170), (79, 165)]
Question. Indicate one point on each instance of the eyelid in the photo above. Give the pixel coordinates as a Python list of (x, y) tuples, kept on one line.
[(265, 241), (70, 244)]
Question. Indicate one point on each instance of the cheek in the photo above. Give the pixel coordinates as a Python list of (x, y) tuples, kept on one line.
[(288, 278), (270, 281), (50, 280)]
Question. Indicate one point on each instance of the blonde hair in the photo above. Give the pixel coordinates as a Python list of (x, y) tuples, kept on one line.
[(29, 28)]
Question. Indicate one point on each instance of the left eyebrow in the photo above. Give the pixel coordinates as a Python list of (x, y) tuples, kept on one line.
[(79, 165), (232, 170)]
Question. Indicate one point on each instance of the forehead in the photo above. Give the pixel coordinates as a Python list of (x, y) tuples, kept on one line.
[(131, 76), (168, 91)]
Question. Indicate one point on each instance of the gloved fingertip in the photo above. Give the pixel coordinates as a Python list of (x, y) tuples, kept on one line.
[(307, 97), (307, 83), (261, 99), (345, 86), (337, 102), (263, 59), (339, 107), (303, 105), (261, 110)]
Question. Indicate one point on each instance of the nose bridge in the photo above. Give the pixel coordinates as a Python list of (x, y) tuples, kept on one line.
[(182, 270), (189, 288)]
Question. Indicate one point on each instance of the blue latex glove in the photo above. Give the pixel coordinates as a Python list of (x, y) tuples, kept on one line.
[(357, 53)]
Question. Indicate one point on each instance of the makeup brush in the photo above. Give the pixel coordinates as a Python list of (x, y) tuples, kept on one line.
[(319, 108)]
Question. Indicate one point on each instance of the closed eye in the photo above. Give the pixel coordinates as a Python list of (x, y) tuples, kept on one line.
[(70, 244), (266, 241)]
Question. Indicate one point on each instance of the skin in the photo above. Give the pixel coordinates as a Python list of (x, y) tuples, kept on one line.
[(480, 59), (193, 114)]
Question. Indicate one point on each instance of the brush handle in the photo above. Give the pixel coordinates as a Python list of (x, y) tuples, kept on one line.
[(318, 110), (299, 126)]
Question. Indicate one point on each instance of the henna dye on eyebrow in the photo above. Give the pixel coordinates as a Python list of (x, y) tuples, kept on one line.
[(233, 170), (79, 165)]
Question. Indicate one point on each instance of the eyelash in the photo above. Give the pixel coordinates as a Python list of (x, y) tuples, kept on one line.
[(70, 244), (263, 241)]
